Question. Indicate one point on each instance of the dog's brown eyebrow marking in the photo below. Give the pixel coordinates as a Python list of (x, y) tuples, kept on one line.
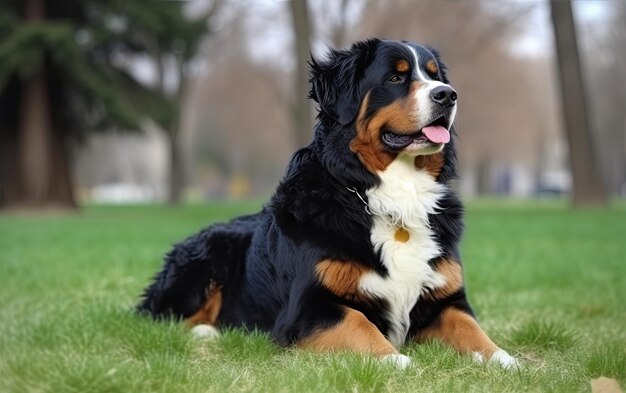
[(431, 66), (402, 66)]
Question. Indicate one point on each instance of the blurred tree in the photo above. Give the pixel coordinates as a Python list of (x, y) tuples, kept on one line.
[(334, 20), (173, 41), (588, 187), (231, 148), (66, 68), (260, 143), (302, 115), (604, 55)]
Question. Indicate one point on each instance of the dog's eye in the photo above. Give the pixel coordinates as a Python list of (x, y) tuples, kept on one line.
[(395, 79)]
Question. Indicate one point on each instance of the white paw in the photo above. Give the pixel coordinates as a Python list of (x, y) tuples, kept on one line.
[(400, 361), (504, 359), (499, 357), (205, 332)]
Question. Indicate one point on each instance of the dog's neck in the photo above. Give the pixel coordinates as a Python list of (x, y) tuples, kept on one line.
[(406, 195)]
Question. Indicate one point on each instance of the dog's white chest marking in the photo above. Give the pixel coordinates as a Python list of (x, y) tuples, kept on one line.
[(402, 202)]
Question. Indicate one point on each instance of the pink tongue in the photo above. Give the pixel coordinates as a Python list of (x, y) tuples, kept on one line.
[(436, 134)]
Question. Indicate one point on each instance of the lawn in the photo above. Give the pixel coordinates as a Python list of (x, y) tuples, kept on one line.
[(548, 284)]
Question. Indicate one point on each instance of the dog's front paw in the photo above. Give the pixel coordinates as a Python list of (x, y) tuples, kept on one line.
[(398, 360), (501, 358), (206, 332), (504, 359)]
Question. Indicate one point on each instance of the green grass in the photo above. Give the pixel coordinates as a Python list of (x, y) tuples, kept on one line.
[(548, 284)]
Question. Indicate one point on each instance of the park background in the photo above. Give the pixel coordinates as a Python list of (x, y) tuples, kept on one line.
[(126, 125), (153, 101)]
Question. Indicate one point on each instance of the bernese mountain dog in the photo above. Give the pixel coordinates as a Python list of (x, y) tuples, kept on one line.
[(358, 249)]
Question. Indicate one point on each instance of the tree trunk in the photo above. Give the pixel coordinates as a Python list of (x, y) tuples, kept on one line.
[(34, 151), (588, 187), (302, 116), (40, 176), (177, 173), (483, 178)]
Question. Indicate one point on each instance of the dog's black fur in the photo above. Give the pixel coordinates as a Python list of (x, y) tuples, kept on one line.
[(265, 263)]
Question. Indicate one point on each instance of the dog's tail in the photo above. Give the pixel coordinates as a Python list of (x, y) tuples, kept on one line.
[(204, 264)]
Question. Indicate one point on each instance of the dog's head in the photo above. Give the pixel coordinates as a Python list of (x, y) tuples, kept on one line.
[(391, 97)]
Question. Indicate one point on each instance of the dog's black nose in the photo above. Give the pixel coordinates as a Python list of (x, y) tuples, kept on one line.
[(444, 95)]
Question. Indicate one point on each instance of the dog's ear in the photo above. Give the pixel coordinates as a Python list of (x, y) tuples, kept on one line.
[(335, 81)]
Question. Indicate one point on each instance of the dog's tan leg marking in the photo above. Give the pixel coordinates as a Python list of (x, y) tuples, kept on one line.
[(462, 332), (354, 333), (207, 314)]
